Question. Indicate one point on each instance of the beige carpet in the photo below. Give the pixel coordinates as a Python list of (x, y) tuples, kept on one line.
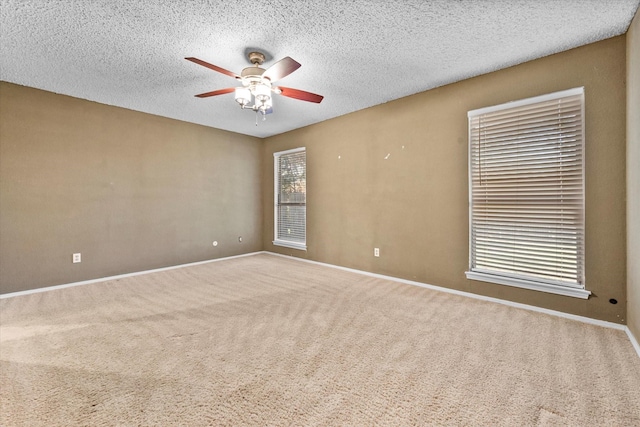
[(233, 343)]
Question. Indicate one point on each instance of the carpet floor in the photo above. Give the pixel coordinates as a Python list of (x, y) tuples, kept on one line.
[(234, 343)]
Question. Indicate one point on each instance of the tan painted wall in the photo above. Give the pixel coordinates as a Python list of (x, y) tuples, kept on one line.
[(133, 191), (414, 204), (128, 190), (633, 176)]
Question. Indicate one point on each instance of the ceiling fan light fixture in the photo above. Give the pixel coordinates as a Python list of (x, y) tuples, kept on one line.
[(266, 105), (243, 96), (262, 92)]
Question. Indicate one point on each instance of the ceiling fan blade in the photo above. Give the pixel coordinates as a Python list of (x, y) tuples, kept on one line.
[(216, 92), (281, 69), (213, 67), (300, 94)]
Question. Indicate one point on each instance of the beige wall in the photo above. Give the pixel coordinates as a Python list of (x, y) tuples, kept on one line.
[(128, 190), (133, 191), (413, 205), (633, 176)]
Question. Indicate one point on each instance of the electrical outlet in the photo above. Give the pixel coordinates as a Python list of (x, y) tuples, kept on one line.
[(77, 258), (376, 251)]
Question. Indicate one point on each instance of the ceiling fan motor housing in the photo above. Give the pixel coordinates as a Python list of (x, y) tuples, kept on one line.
[(252, 71)]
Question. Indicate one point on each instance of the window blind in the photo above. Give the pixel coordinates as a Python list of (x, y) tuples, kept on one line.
[(527, 190), (291, 198)]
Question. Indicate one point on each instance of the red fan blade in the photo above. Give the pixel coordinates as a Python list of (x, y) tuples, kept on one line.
[(300, 94), (213, 67), (281, 69), (216, 92)]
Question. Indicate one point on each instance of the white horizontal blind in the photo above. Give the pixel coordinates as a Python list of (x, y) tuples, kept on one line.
[(527, 189), (291, 196)]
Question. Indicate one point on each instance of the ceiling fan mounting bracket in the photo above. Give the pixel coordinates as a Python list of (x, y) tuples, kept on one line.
[(256, 58)]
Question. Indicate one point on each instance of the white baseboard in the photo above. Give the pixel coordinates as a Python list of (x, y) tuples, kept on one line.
[(633, 340), (575, 317), (583, 319), (119, 276)]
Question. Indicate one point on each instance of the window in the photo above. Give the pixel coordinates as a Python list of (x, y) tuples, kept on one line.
[(290, 214), (526, 201)]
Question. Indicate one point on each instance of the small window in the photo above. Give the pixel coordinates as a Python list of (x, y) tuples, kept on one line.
[(526, 201), (290, 176)]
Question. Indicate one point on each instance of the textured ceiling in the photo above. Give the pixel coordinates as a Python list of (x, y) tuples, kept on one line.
[(357, 53)]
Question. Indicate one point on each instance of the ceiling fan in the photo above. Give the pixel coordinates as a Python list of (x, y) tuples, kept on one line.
[(257, 83)]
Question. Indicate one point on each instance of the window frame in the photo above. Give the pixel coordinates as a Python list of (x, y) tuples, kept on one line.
[(276, 179), (517, 280)]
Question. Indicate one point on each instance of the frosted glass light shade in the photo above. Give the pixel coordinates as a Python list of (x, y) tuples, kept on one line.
[(262, 93), (243, 96)]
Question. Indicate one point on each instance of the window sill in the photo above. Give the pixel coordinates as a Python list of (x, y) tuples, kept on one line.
[(292, 245), (529, 284)]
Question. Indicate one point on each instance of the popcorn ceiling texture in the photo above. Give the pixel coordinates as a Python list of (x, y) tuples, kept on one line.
[(357, 53)]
